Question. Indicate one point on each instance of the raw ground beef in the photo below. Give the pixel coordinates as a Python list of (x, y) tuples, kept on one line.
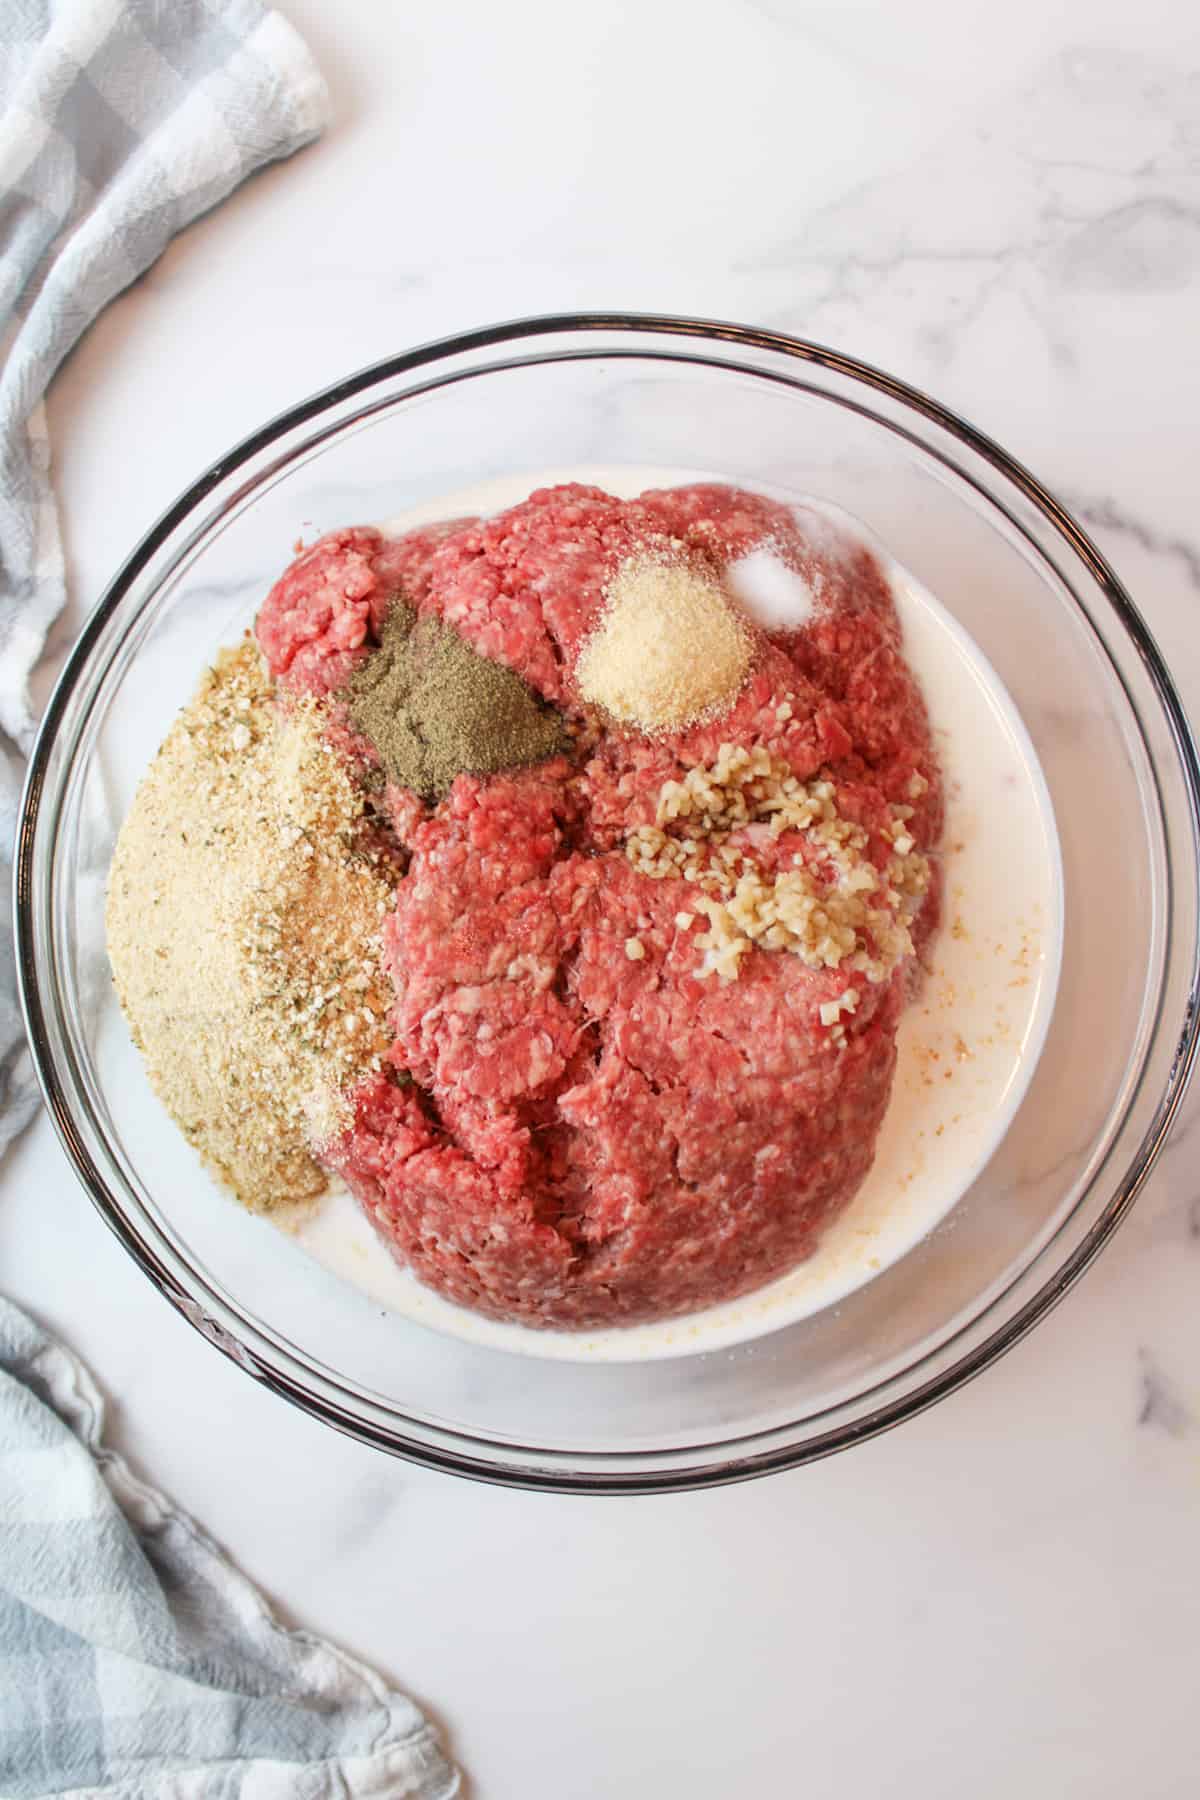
[(570, 1137)]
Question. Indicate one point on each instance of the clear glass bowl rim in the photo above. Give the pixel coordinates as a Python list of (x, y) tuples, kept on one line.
[(324, 1405)]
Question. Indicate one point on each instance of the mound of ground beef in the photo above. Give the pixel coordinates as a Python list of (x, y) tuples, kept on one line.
[(571, 1135)]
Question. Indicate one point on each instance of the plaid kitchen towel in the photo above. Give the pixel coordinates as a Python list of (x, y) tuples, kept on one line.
[(120, 122), (135, 1663)]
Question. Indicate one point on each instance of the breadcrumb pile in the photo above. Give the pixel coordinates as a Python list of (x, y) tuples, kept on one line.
[(244, 906)]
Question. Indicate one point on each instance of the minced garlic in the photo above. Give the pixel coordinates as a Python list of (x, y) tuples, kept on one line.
[(859, 921)]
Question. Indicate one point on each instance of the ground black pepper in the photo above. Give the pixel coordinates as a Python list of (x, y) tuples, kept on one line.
[(434, 708)]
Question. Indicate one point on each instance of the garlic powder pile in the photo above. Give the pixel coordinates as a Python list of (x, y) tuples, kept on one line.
[(669, 648)]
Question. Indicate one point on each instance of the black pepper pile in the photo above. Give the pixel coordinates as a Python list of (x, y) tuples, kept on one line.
[(434, 708)]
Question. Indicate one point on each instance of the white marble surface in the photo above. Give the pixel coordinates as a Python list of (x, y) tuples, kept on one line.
[(1002, 205)]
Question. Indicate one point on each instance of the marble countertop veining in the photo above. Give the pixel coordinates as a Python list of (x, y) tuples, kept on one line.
[(1001, 205)]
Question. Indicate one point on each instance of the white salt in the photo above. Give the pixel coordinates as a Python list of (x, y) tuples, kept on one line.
[(775, 596)]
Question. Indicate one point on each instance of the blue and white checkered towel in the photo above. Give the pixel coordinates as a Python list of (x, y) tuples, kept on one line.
[(121, 121), (135, 1662)]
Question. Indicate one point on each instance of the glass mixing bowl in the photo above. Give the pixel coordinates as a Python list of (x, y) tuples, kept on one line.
[(1020, 576)]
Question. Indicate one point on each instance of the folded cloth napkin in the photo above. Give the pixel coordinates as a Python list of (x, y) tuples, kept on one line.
[(137, 1664)]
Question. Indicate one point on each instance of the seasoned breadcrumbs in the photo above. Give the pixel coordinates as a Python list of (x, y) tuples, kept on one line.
[(244, 906)]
